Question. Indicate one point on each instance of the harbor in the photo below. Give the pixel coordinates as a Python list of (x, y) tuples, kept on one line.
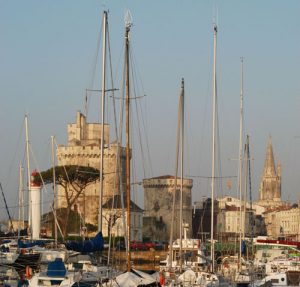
[(133, 174)]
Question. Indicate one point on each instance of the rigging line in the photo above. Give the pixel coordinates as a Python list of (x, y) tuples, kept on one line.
[(209, 177), (121, 118), (143, 123), (7, 210), (14, 159), (131, 98), (207, 98), (219, 154), (39, 171), (138, 76), (137, 72), (119, 66), (147, 141), (17, 206), (87, 100), (217, 135), (38, 168), (201, 221), (138, 123), (112, 84), (24, 189), (64, 167), (116, 185), (178, 133), (250, 192), (117, 178), (187, 134)]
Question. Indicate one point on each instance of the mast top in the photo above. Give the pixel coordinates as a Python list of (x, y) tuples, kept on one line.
[(128, 20), (215, 28)]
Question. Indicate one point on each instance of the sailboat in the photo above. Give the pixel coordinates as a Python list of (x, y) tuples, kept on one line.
[(179, 260), (209, 277), (202, 271), (131, 277)]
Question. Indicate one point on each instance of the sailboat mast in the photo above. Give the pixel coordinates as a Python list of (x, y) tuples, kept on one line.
[(181, 175), (21, 200), (102, 119), (174, 189), (240, 163), (127, 30), (54, 191), (250, 192), (246, 179), (214, 122), (28, 177)]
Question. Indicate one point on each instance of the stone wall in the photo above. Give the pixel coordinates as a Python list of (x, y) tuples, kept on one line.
[(158, 203), (84, 149)]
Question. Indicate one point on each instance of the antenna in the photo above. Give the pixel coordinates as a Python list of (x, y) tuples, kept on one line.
[(215, 14)]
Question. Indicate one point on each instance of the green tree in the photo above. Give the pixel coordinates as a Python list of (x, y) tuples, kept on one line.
[(73, 179)]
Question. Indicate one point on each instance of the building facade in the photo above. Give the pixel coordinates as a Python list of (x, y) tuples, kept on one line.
[(283, 222), (113, 222), (236, 217), (202, 212)]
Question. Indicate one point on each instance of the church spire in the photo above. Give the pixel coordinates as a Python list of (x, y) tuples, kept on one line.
[(269, 170), (270, 186)]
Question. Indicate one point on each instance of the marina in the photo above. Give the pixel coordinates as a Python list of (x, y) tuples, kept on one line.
[(97, 212)]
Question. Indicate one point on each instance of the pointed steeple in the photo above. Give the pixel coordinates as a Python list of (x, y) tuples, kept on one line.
[(270, 186), (269, 169)]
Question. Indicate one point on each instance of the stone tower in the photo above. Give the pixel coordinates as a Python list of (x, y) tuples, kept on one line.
[(270, 186), (83, 149), (158, 203)]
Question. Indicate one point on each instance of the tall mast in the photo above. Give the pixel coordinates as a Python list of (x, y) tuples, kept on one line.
[(241, 163), (175, 189), (28, 178), (21, 200), (127, 30), (246, 180), (102, 119), (54, 191), (181, 175), (214, 122), (250, 192)]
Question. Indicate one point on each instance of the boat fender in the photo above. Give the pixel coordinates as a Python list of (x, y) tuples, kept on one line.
[(161, 279), (28, 272)]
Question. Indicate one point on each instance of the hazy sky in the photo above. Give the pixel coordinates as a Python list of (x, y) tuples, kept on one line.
[(48, 53)]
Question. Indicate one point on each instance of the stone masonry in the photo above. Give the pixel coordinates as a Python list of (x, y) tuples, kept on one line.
[(158, 202), (83, 149)]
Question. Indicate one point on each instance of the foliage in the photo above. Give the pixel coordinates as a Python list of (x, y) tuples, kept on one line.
[(73, 179), (79, 176)]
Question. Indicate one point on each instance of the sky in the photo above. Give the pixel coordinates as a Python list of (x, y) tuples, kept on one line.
[(48, 53)]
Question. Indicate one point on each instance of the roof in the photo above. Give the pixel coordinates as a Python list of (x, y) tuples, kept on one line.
[(278, 209), (163, 177), (115, 202)]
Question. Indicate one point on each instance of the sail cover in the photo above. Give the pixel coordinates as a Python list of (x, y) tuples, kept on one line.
[(87, 246), (56, 268)]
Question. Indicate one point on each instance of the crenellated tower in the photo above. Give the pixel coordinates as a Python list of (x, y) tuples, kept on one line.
[(83, 149)]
